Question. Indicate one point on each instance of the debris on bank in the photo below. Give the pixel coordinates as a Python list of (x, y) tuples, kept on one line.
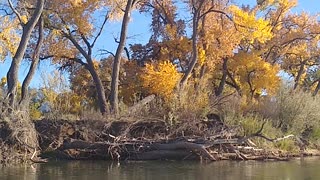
[(146, 139), (150, 140)]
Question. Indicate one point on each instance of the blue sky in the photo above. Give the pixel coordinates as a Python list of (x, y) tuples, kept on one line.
[(138, 33)]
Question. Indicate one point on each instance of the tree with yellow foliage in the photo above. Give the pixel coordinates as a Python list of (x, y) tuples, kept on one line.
[(252, 74), (72, 26), (160, 78)]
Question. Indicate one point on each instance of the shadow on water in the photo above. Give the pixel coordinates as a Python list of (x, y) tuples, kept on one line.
[(300, 169)]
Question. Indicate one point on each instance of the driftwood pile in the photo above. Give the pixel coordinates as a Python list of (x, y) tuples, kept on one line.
[(149, 140)]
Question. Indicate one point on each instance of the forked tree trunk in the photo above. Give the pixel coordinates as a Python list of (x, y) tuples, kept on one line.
[(12, 75), (102, 100), (223, 80), (33, 66)]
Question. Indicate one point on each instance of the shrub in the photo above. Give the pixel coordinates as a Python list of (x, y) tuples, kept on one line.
[(292, 111)]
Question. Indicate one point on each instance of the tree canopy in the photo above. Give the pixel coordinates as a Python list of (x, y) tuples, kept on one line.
[(193, 45)]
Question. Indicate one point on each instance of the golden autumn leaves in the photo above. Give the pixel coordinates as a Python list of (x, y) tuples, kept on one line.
[(251, 27), (161, 78), (250, 71), (250, 40), (8, 37)]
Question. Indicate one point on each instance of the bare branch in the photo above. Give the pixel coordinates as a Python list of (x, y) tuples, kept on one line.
[(6, 12), (116, 40), (77, 45), (15, 12), (127, 52), (259, 134), (107, 52), (83, 37), (100, 31)]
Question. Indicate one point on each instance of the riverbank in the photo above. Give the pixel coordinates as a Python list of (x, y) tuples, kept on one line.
[(144, 139)]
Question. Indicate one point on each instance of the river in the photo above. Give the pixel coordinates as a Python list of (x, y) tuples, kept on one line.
[(298, 169)]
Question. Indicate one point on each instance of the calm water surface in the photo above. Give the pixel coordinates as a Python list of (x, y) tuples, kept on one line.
[(300, 169)]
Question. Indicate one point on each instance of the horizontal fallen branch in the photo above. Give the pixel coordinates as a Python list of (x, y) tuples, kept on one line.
[(259, 134), (185, 145)]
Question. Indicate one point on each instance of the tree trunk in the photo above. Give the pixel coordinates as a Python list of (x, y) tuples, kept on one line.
[(33, 66), (12, 75), (194, 59), (234, 83), (102, 100), (315, 92), (297, 79), (114, 100), (223, 78)]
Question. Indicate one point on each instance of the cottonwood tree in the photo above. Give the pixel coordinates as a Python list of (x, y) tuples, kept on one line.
[(199, 10), (35, 58), (114, 99), (72, 26), (28, 21)]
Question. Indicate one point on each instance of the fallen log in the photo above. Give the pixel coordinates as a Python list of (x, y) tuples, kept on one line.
[(196, 148), (261, 135), (163, 154), (80, 144), (138, 106)]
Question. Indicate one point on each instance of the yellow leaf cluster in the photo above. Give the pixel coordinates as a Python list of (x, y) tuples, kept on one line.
[(24, 19), (284, 4), (202, 56), (70, 103), (9, 38), (253, 74), (160, 78), (132, 86), (116, 8), (251, 28), (55, 47), (75, 14), (171, 31), (175, 49), (3, 81)]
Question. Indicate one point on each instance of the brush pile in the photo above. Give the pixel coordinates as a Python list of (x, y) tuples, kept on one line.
[(149, 140)]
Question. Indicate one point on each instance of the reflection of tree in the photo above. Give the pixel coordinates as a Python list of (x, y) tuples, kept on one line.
[(164, 170)]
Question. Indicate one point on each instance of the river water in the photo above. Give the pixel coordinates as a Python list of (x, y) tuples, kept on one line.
[(299, 169)]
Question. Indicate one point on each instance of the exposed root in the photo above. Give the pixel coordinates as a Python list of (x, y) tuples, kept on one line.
[(19, 137), (147, 140)]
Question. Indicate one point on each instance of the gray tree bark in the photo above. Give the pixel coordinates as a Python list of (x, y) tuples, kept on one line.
[(194, 59), (222, 83), (114, 100), (316, 91), (12, 75), (102, 100), (300, 72), (34, 64)]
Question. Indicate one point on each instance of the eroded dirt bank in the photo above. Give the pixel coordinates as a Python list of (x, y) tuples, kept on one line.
[(135, 140)]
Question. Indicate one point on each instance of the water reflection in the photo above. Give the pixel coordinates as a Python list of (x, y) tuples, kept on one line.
[(302, 169)]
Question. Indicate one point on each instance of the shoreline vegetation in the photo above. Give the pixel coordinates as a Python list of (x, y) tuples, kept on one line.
[(141, 134), (141, 140), (214, 80)]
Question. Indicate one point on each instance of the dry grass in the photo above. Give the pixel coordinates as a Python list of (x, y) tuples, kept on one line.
[(22, 139), (23, 130), (292, 111)]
